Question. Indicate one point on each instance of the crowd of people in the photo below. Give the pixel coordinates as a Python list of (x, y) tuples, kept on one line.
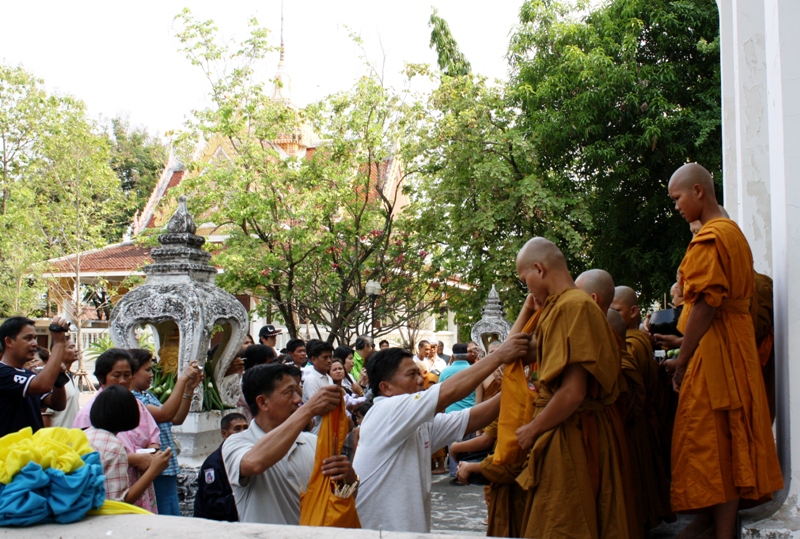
[(574, 423)]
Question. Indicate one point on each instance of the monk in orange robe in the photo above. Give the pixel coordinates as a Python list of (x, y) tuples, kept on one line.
[(573, 479), (761, 311), (722, 447), (505, 498)]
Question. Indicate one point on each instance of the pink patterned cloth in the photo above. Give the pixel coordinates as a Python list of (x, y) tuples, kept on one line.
[(114, 457)]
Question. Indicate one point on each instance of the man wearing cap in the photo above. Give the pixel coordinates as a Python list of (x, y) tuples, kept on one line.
[(267, 335)]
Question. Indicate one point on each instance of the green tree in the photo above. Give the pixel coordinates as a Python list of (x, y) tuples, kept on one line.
[(138, 160), (305, 232), (451, 60), (478, 196), (613, 101), (58, 189)]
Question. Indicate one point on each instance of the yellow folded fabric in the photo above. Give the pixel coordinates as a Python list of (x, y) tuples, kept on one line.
[(53, 447), (113, 507)]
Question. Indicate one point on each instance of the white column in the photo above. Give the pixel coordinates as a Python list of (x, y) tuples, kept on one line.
[(782, 53), (745, 125)]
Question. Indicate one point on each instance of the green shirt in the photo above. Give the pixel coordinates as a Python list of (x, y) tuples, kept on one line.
[(358, 364)]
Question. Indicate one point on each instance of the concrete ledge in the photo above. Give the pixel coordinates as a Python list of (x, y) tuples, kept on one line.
[(145, 526)]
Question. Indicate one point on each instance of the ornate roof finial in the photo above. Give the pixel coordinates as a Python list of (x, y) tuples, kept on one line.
[(283, 82), (280, 62), (181, 222)]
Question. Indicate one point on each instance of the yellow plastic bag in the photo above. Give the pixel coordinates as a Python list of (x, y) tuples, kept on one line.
[(321, 504)]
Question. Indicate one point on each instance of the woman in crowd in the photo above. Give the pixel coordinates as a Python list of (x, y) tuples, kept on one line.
[(117, 411), (345, 354), (172, 412), (115, 367), (338, 374)]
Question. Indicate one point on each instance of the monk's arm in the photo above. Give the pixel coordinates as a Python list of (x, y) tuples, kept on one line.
[(563, 404), (484, 413), (464, 382)]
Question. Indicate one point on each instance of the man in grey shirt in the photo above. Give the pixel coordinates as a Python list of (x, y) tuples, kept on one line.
[(405, 425), (270, 463)]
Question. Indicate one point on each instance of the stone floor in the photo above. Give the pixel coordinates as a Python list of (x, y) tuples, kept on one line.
[(459, 510)]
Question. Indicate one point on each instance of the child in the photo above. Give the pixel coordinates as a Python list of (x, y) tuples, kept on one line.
[(116, 410)]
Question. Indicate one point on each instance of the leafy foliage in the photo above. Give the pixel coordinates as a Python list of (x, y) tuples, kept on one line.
[(306, 231), (137, 159), (477, 194), (58, 190), (451, 60), (614, 101)]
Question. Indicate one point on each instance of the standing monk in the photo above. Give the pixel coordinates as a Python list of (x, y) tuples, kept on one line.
[(574, 483), (722, 445), (631, 405)]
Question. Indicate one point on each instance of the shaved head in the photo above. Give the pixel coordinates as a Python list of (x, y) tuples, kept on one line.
[(542, 251), (617, 323), (692, 189), (625, 295), (599, 284), (626, 304), (692, 174), (542, 267)]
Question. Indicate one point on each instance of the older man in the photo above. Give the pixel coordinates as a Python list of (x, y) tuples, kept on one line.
[(270, 463)]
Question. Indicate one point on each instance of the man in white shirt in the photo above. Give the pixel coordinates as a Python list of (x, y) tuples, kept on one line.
[(321, 355), (270, 463), (403, 428)]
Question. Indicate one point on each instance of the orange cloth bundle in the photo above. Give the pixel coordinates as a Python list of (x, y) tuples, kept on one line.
[(516, 408), (323, 504)]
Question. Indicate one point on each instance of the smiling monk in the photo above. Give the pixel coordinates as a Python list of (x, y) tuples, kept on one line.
[(722, 447)]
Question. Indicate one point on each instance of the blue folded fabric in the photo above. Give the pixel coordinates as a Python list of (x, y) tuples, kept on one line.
[(24, 501), (37, 495)]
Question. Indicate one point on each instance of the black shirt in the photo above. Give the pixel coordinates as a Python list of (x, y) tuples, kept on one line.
[(19, 409), (214, 498)]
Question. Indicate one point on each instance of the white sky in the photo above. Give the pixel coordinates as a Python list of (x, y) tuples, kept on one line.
[(122, 57)]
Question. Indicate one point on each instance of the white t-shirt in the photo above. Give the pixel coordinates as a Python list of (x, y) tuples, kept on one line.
[(393, 459), (272, 497), (312, 383)]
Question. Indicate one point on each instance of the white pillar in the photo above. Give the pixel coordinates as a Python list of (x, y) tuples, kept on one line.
[(744, 122), (782, 86)]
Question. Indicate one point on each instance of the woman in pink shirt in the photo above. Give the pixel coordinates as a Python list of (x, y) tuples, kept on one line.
[(115, 367)]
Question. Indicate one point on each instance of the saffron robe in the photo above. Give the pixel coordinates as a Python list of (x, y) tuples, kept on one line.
[(574, 477), (762, 313), (505, 499), (655, 493), (722, 444)]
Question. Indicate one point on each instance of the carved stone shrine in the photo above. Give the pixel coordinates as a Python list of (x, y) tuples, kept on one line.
[(183, 306), (493, 325)]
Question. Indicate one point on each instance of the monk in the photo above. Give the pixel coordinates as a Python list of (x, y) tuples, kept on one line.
[(761, 309), (632, 405), (505, 498), (573, 480), (722, 447)]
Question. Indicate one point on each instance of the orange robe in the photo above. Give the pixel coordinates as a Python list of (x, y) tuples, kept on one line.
[(761, 311), (655, 493), (505, 499), (574, 478), (722, 445)]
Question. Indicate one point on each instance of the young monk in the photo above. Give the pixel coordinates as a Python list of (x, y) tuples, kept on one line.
[(574, 483), (722, 447), (631, 405)]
